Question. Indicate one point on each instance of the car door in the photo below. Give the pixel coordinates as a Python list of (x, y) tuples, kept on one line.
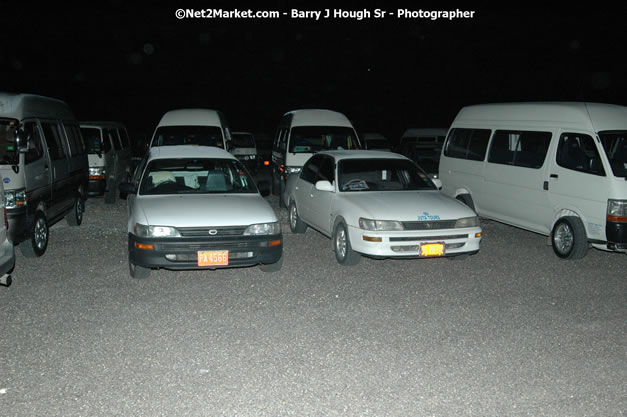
[(303, 188), (37, 164), (320, 201), (59, 169)]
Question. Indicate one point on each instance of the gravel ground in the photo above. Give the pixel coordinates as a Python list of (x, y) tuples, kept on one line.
[(510, 331)]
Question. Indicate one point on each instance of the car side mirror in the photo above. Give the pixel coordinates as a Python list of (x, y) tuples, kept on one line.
[(324, 185), (437, 182), (127, 188)]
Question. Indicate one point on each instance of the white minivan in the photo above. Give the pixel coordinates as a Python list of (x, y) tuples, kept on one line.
[(559, 169), (301, 133), (193, 127)]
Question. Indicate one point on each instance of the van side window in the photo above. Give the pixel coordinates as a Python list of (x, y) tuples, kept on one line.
[(106, 140), (115, 139), (467, 144), (520, 148), (578, 152), (74, 139), (124, 136), (35, 147), (53, 140)]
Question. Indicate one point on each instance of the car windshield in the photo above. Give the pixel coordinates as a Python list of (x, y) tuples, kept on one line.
[(381, 175), (243, 140), (8, 147), (615, 146), (188, 135), (92, 139), (309, 139), (196, 176)]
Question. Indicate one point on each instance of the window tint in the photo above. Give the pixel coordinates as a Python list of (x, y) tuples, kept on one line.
[(53, 140), (615, 146), (189, 135), (578, 152), (326, 172), (520, 148), (467, 144), (35, 146), (309, 139), (311, 169), (92, 138), (381, 175)]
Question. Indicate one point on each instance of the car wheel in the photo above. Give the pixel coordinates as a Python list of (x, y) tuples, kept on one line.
[(275, 267), (75, 217), (111, 193), (569, 239), (467, 200), (38, 242), (296, 224), (344, 253), (138, 272)]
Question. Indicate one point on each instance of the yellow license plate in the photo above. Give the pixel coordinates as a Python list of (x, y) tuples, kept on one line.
[(432, 249), (213, 258)]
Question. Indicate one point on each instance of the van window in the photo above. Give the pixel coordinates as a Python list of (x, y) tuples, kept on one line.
[(106, 140), (615, 146), (74, 140), (92, 138), (578, 152), (53, 140), (520, 148), (467, 144), (308, 139), (8, 148), (188, 135), (35, 147), (115, 139), (124, 137)]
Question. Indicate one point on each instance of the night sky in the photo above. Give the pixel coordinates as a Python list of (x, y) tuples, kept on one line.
[(116, 61)]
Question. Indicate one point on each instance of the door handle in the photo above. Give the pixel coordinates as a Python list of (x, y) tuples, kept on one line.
[(545, 186), (554, 176)]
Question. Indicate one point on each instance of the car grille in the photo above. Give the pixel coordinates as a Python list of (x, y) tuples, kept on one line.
[(205, 231), (432, 225), (427, 238)]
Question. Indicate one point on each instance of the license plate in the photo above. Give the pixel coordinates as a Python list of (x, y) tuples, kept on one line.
[(432, 249), (213, 258)]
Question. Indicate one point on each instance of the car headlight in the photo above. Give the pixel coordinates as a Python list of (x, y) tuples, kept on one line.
[(142, 230), (263, 229), (617, 210), (15, 198), (292, 170), (467, 222), (369, 224)]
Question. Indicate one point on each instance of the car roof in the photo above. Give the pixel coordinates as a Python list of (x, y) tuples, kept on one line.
[(188, 151), (191, 117), (362, 154)]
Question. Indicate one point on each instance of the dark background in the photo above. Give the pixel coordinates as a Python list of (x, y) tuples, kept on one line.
[(117, 61)]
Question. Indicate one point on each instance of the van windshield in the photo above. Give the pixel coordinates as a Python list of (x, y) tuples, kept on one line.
[(615, 146), (310, 139), (243, 140), (8, 148), (188, 135)]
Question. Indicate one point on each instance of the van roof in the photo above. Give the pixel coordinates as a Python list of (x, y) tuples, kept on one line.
[(102, 124), (188, 151), (22, 106), (191, 117), (425, 131), (318, 117), (590, 116)]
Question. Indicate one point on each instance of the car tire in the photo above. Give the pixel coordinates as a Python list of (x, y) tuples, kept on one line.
[(75, 217), (344, 253), (296, 224), (111, 193), (569, 239), (38, 242), (275, 267), (467, 200), (138, 272)]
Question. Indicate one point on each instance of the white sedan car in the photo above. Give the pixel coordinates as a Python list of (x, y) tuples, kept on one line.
[(378, 204), (196, 207)]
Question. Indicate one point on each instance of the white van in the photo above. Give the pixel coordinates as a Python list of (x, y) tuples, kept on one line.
[(109, 153), (193, 127), (43, 162), (245, 150), (301, 133), (558, 169), (7, 250)]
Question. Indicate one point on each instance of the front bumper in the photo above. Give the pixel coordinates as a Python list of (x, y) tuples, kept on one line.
[(616, 234), (406, 244), (182, 253)]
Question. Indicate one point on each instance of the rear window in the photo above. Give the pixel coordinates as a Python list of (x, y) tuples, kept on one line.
[(188, 135), (309, 139)]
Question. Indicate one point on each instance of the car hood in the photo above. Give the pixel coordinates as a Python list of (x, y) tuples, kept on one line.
[(406, 206), (205, 210)]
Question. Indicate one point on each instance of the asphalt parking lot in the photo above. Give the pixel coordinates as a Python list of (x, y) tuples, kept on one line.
[(512, 330)]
